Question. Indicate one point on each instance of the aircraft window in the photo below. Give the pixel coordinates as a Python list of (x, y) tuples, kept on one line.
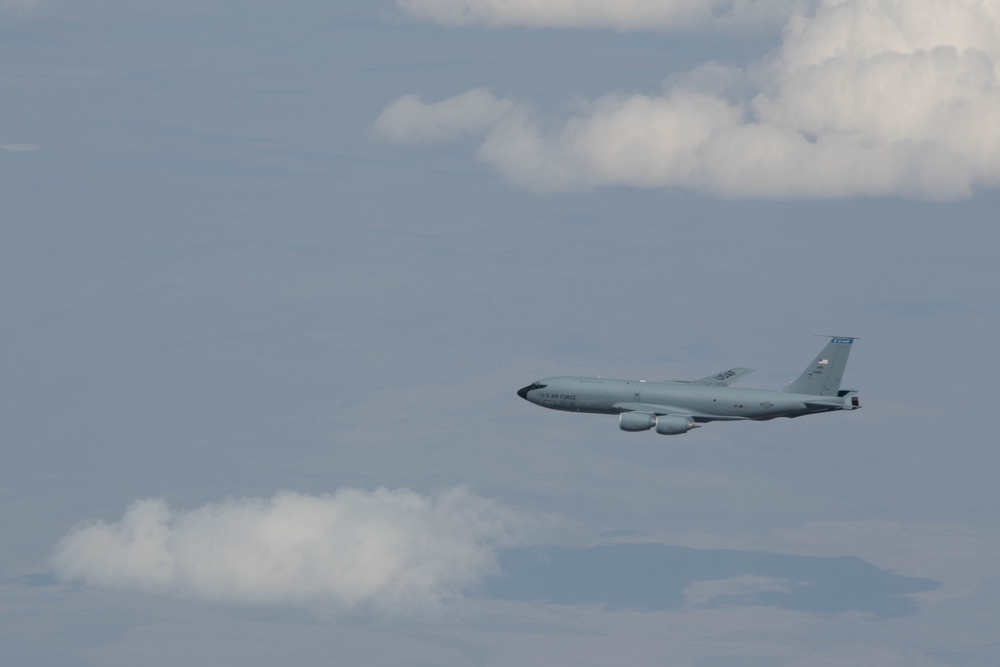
[(537, 385)]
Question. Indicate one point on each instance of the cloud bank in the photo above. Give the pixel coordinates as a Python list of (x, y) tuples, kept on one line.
[(864, 98), (742, 15), (386, 551)]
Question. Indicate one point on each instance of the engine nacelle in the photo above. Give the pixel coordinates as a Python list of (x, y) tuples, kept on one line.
[(636, 421), (674, 424)]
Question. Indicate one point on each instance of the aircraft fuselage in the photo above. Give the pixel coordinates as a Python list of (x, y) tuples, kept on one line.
[(677, 406), (704, 403)]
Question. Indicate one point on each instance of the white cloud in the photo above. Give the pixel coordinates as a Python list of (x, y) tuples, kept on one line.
[(409, 120), (617, 14), (390, 551), (865, 97)]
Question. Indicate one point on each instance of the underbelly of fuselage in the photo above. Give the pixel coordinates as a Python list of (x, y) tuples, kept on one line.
[(713, 411)]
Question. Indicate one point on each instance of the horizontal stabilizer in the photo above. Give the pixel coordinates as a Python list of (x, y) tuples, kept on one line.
[(826, 403)]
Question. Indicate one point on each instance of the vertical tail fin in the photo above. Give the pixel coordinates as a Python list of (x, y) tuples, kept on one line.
[(822, 377)]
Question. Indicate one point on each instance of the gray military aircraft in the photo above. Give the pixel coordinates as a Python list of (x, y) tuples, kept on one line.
[(677, 406)]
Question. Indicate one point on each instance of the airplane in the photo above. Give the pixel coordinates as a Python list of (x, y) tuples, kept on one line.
[(678, 406)]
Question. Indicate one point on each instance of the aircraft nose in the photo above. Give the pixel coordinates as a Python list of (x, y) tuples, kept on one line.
[(523, 391)]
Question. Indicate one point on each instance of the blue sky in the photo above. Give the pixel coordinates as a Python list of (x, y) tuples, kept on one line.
[(264, 323)]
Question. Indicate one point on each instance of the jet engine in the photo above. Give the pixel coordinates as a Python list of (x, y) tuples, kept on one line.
[(636, 421), (673, 424)]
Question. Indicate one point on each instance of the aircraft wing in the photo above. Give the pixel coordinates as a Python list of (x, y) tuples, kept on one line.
[(725, 378), (654, 409)]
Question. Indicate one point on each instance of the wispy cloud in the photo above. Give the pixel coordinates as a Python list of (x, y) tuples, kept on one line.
[(18, 148), (734, 588), (618, 14), (386, 551), (410, 120), (864, 98)]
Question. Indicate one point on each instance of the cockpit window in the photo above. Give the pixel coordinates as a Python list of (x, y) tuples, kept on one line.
[(537, 385)]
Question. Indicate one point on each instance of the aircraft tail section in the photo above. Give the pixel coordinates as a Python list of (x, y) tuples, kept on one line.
[(822, 377)]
